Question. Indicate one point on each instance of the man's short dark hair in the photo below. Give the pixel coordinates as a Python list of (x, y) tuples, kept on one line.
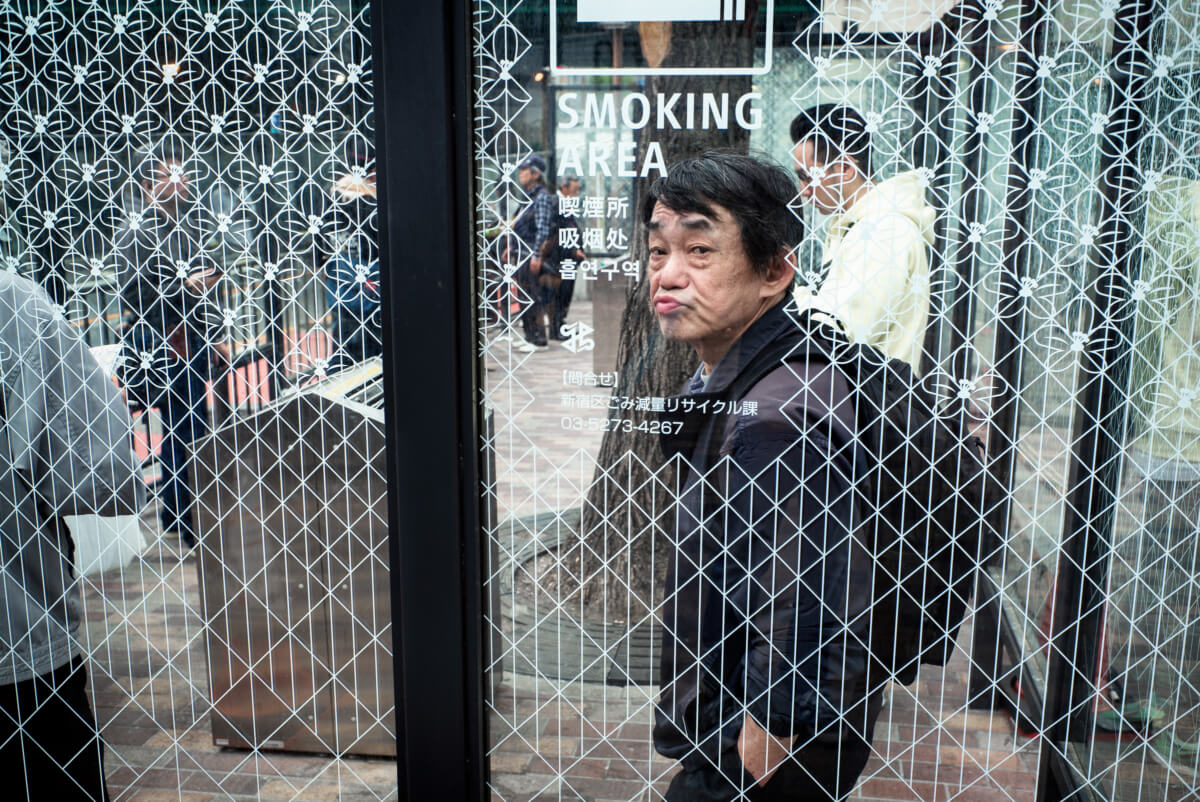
[(757, 193), (834, 131)]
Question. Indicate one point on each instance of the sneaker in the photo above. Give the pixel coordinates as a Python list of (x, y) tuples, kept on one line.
[(514, 342)]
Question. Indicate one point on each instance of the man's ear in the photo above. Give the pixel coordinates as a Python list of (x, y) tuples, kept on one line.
[(780, 273), (792, 259), (850, 167)]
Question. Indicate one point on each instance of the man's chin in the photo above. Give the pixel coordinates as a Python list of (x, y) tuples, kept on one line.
[(667, 326)]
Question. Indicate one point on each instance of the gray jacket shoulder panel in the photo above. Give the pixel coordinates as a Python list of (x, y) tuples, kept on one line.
[(65, 449)]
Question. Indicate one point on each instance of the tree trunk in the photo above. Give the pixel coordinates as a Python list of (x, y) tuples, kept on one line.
[(628, 516)]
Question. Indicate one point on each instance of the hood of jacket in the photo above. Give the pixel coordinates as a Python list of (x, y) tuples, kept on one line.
[(903, 194)]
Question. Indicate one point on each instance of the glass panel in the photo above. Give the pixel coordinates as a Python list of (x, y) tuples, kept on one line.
[(1061, 256), (193, 186), (1149, 659), (584, 508)]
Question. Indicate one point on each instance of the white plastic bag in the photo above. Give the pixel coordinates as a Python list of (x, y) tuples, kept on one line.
[(102, 544)]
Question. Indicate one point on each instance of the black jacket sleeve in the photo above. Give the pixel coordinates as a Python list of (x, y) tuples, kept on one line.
[(798, 574)]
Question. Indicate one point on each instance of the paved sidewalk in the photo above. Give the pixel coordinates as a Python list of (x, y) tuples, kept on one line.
[(589, 741)]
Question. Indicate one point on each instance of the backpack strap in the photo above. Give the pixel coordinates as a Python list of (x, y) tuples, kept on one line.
[(812, 339)]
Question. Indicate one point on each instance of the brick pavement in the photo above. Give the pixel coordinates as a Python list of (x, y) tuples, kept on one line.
[(540, 465), (150, 685)]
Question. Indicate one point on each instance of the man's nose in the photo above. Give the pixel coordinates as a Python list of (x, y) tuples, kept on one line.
[(671, 275)]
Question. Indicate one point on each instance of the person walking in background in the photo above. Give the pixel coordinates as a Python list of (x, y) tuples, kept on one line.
[(531, 230), (351, 267), (562, 244), (876, 260), (65, 449), (170, 342)]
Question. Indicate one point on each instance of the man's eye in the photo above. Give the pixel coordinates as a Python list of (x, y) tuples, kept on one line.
[(657, 251), (701, 249)]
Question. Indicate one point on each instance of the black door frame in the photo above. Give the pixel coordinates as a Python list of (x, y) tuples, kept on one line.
[(423, 102), (1085, 550)]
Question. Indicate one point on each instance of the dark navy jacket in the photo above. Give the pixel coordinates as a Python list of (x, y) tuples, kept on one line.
[(769, 589), (534, 223)]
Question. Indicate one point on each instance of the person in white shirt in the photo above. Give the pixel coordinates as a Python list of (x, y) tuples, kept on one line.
[(876, 256)]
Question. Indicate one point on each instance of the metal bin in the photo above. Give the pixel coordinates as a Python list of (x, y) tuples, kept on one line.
[(291, 507)]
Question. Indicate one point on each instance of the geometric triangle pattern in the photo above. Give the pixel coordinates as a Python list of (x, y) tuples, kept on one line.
[(1056, 143), (193, 184)]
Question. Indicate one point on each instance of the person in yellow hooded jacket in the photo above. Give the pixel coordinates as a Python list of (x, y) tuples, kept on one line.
[(876, 256)]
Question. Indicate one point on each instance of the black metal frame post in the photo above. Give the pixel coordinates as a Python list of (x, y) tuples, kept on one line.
[(1080, 600), (985, 677), (987, 680), (966, 260), (423, 101), (930, 150)]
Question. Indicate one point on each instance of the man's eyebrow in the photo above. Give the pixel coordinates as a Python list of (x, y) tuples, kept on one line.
[(694, 223)]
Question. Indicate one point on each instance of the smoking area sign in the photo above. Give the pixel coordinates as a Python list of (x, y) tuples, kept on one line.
[(613, 15), (661, 10)]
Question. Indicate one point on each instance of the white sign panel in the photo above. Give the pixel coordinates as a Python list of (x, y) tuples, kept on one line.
[(661, 10), (621, 12)]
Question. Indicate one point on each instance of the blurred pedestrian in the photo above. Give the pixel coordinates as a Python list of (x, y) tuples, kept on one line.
[(562, 245), (351, 268), (65, 449), (172, 349), (876, 255), (531, 231)]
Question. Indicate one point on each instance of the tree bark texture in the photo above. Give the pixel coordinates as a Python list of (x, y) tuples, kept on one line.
[(628, 518)]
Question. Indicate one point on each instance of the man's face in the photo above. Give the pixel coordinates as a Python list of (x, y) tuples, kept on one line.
[(570, 189), (169, 186), (825, 186), (702, 287)]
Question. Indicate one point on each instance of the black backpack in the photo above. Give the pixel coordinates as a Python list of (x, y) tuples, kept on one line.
[(927, 485)]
